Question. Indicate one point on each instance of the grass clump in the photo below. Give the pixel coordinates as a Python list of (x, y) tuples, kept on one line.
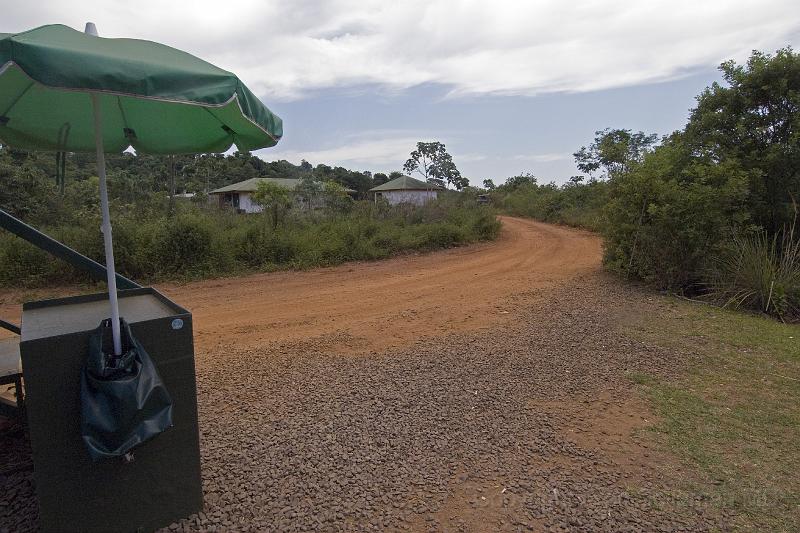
[(760, 272)]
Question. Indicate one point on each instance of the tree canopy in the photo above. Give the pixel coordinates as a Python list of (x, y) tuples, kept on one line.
[(273, 199), (614, 151), (519, 180), (754, 123), (29, 189), (432, 161), (733, 170)]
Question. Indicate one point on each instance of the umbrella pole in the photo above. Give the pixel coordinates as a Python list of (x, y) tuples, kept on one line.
[(106, 227)]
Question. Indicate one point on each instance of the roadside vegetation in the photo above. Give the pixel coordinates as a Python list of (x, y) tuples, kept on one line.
[(158, 236), (735, 415), (197, 243), (708, 211), (575, 204)]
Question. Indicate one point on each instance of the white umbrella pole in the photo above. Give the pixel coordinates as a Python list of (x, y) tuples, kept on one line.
[(111, 272), (106, 227)]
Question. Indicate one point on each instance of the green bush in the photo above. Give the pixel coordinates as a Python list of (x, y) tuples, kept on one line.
[(759, 272), (252, 245), (198, 242), (281, 248), (664, 220), (575, 203), (485, 227), (731, 171), (441, 235), (23, 264), (184, 243)]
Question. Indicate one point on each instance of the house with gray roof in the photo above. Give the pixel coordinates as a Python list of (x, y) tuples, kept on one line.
[(239, 196), (406, 190)]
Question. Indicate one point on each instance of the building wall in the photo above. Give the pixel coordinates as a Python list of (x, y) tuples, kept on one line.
[(409, 197), (240, 201), (247, 204)]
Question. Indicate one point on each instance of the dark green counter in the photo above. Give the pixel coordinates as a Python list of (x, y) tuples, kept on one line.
[(163, 482)]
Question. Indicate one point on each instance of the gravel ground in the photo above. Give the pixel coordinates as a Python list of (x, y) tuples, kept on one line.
[(530, 427)]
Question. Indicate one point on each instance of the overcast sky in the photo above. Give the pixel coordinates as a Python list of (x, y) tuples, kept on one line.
[(508, 86)]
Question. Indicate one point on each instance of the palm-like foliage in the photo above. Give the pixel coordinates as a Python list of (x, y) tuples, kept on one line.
[(760, 272)]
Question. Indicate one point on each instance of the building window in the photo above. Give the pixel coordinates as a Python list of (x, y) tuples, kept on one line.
[(231, 199)]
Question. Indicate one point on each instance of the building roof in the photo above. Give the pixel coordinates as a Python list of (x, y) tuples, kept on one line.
[(405, 183), (251, 185)]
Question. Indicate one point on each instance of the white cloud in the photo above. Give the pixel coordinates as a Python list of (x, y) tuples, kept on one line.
[(542, 158), (378, 150), (283, 50), (389, 152)]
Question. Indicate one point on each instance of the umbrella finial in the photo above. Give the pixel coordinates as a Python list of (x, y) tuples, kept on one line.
[(91, 29)]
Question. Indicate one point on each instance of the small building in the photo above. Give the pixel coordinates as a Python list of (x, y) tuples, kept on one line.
[(406, 190), (239, 196)]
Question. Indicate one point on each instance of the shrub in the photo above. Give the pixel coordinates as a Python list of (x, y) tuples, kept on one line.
[(441, 235), (575, 203), (184, 245), (23, 264), (670, 215), (197, 242), (486, 226), (251, 245), (665, 219), (759, 272)]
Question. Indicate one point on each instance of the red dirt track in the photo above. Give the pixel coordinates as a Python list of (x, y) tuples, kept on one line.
[(391, 302)]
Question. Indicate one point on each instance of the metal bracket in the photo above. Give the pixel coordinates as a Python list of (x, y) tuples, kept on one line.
[(13, 328)]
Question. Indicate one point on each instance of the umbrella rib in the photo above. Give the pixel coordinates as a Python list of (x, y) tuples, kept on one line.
[(225, 127), (63, 135), (130, 134), (17, 99), (122, 112), (215, 116)]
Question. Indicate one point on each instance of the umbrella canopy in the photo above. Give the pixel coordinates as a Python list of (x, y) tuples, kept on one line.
[(67, 91), (155, 98)]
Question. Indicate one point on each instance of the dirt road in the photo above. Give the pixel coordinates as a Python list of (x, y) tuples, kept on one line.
[(384, 304), (479, 389)]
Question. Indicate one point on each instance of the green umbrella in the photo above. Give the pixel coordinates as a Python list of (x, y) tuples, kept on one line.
[(64, 90)]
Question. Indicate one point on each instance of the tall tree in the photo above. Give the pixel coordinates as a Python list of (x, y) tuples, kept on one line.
[(433, 163), (755, 121), (614, 151), (379, 178), (273, 199), (515, 182)]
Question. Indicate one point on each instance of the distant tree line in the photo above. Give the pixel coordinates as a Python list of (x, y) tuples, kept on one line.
[(30, 190)]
